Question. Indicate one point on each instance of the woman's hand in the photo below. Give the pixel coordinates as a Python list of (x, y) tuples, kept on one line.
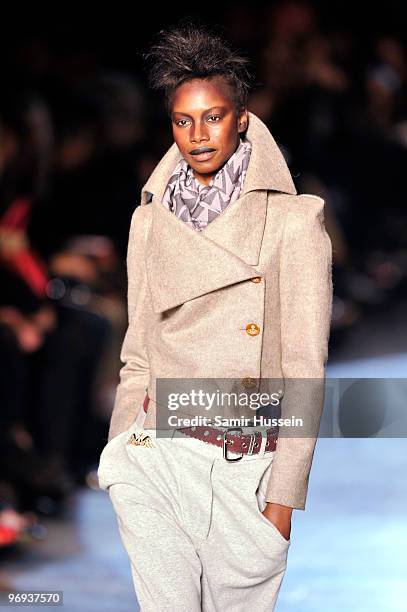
[(280, 516)]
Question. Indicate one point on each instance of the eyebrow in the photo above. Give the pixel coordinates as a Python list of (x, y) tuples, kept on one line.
[(203, 113)]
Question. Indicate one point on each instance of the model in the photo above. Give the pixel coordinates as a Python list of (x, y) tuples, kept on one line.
[(229, 285)]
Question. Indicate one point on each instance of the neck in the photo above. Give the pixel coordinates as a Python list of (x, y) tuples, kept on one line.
[(205, 179)]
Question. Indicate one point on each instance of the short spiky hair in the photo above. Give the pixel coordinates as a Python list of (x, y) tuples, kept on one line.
[(193, 50)]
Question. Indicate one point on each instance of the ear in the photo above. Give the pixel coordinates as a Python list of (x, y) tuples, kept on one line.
[(243, 120)]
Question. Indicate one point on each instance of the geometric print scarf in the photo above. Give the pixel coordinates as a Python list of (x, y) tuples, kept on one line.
[(197, 204)]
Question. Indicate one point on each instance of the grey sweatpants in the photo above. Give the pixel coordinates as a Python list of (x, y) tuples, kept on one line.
[(192, 525)]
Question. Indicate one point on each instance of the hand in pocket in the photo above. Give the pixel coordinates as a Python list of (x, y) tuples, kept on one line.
[(280, 516)]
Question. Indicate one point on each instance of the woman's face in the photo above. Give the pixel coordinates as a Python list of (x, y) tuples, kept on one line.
[(204, 116)]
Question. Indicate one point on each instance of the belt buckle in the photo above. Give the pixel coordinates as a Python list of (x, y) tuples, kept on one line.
[(225, 450)]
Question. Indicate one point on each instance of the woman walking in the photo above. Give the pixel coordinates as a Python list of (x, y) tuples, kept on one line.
[(229, 284)]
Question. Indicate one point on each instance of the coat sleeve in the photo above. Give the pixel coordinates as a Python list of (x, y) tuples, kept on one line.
[(135, 373), (306, 294)]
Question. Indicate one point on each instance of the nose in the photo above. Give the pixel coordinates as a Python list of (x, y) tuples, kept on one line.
[(198, 132)]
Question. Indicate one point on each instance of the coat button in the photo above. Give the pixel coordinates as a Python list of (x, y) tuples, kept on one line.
[(256, 279), (252, 329), (249, 382)]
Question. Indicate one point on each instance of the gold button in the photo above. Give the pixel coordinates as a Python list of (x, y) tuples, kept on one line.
[(256, 279), (252, 329), (249, 382)]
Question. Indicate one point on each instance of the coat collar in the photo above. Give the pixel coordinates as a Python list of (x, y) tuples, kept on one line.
[(182, 263)]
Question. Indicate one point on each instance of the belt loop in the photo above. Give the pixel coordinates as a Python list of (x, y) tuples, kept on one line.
[(251, 443), (263, 442)]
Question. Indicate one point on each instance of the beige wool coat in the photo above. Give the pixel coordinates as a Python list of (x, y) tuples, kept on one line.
[(248, 298)]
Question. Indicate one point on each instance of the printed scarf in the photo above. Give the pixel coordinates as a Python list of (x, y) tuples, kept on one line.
[(197, 204)]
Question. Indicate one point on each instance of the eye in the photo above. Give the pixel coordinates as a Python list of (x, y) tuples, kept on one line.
[(181, 122), (215, 117)]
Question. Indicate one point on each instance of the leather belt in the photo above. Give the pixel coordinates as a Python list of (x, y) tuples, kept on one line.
[(145, 403), (244, 444)]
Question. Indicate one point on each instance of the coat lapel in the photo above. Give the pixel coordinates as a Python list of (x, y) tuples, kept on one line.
[(182, 263)]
